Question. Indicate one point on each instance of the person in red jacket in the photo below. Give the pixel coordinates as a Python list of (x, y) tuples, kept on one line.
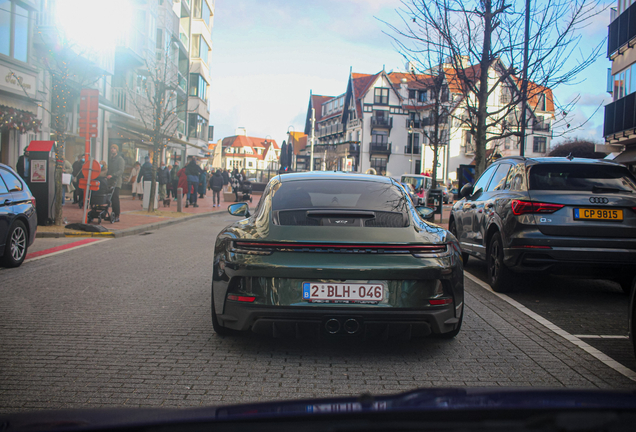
[(183, 181)]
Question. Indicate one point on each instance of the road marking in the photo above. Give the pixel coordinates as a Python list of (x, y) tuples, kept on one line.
[(601, 337), (572, 338), (61, 249)]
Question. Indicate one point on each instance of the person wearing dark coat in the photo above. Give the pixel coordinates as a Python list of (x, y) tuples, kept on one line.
[(203, 181), (163, 177), (77, 169), (193, 171), (216, 184), (226, 177)]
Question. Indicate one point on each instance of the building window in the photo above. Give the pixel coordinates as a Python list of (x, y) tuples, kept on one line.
[(381, 96), (197, 127), (539, 144), (210, 133), (202, 11), (14, 31), (379, 137), (200, 48), (411, 94), (422, 96), (198, 86), (379, 164)]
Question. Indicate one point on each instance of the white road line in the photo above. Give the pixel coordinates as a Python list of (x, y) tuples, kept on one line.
[(67, 250), (572, 338), (601, 337)]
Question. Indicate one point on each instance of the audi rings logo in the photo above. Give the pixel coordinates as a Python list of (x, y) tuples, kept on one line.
[(599, 200)]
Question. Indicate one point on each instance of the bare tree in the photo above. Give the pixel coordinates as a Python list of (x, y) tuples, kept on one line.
[(155, 100), (68, 73), (485, 41)]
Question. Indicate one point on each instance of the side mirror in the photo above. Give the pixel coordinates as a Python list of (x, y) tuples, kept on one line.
[(466, 190), (425, 213), (239, 209)]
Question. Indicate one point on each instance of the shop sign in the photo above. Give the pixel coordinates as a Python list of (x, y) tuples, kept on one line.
[(16, 81)]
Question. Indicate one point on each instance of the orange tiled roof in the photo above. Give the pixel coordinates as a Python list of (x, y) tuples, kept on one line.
[(316, 103)]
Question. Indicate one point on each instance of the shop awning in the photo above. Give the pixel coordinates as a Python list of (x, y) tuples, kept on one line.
[(19, 104), (628, 157), (135, 128)]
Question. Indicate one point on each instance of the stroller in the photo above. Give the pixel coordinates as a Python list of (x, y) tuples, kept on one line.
[(100, 202), (246, 191)]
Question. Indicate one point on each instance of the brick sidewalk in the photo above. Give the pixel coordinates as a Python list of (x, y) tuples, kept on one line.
[(134, 216)]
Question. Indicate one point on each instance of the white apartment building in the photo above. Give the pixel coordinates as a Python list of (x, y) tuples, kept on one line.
[(379, 124)]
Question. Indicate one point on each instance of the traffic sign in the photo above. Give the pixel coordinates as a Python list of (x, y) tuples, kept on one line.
[(93, 186), (97, 168)]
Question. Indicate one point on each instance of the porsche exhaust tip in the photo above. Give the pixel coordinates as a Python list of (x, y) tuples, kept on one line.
[(351, 326), (332, 326)]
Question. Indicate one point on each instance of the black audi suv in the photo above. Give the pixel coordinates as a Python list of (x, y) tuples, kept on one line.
[(550, 215)]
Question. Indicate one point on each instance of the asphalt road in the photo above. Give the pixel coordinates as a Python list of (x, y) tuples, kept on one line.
[(126, 322)]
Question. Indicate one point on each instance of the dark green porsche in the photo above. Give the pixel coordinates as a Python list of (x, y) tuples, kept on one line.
[(336, 253)]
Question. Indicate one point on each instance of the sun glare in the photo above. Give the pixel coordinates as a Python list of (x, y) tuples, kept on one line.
[(95, 25)]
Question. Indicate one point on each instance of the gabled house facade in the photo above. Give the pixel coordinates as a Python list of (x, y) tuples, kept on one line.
[(383, 122), (250, 153)]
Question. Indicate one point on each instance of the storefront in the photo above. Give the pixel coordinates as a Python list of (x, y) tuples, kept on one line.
[(18, 110)]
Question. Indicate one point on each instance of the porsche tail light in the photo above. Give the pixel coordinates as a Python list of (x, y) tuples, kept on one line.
[(442, 301), (33, 201), (240, 298), (520, 207)]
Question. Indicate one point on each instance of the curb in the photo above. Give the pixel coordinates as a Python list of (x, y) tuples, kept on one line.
[(128, 231)]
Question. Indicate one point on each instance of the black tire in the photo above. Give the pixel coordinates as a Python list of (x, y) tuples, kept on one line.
[(453, 229), (16, 246), (499, 276), (218, 328)]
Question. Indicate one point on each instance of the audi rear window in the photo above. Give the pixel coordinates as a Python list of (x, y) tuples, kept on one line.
[(582, 177), (339, 194)]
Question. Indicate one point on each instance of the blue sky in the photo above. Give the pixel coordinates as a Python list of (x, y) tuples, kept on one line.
[(268, 54)]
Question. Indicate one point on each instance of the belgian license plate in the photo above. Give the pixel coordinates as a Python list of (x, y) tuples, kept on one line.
[(598, 214), (326, 292)]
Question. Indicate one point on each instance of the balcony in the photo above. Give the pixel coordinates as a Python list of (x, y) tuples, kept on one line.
[(329, 130), (381, 122), (415, 124), (621, 31), (541, 126), (379, 148), (407, 150), (620, 115)]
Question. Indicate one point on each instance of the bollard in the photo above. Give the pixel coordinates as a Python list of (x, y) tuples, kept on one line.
[(179, 199)]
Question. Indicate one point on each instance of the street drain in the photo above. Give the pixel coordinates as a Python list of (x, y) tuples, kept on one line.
[(146, 233)]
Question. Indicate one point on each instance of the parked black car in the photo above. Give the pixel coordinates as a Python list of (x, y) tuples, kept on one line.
[(18, 220), (632, 315), (550, 215)]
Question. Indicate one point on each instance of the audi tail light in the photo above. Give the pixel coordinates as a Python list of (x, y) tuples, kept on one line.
[(520, 207)]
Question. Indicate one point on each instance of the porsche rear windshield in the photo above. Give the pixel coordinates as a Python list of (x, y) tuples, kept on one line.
[(339, 194), (582, 177)]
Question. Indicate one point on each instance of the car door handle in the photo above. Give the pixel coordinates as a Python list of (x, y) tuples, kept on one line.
[(8, 202), (490, 205)]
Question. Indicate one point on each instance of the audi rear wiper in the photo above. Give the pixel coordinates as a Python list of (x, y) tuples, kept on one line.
[(609, 189)]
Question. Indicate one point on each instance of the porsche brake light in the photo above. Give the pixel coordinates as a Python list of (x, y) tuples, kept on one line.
[(239, 298), (33, 201), (524, 207)]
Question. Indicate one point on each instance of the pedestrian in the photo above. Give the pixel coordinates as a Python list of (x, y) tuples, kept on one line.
[(115, 174), (226, 177), (23, 165), (136, 187), (145, 174), (174, 177), (203, 181), (236, 184), (216, 184), (193, 171), (208, 176), (77, 169), (169, 185), (163, 177), (183, 182), (67, 188)]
